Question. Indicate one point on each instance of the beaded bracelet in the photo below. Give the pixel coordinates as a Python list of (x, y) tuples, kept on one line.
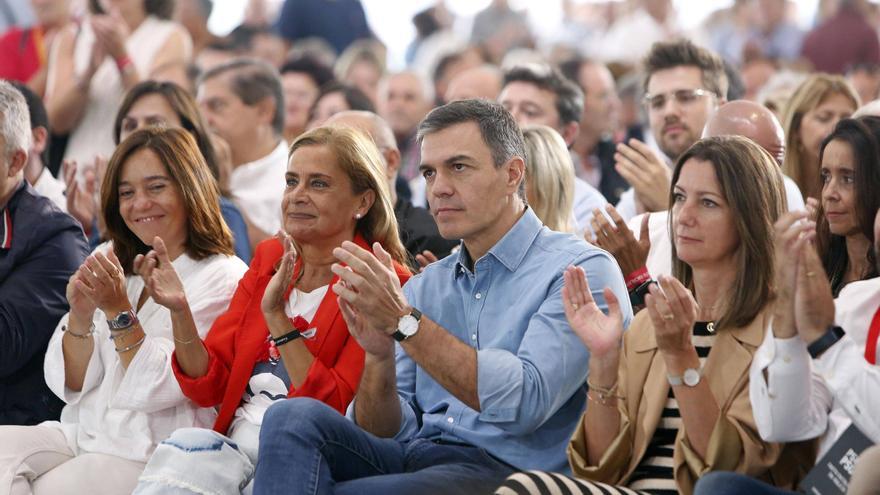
[(82, 336)]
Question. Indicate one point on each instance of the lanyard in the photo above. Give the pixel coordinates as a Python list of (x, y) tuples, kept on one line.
[(873, 335)]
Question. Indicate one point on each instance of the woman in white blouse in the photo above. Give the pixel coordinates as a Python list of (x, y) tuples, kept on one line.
[(110, 357)]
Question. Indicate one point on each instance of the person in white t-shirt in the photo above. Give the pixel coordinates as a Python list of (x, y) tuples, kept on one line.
[(243, 102)]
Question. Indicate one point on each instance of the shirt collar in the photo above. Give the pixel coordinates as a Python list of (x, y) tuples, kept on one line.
[(512, 248)]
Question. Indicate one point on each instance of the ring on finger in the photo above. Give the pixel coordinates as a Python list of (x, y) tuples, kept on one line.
[(668, 317)]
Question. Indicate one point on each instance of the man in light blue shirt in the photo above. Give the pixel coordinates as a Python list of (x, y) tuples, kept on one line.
[(486, 376)]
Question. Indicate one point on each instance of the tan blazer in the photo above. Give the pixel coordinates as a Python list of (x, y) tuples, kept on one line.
[(734, 445)]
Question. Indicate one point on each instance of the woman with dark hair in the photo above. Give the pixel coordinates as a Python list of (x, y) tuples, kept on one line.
[(166, 273), (850, 173), (167, 104), (302, 80), (337, 97), (669, 398), (283, 335), (92, 65)]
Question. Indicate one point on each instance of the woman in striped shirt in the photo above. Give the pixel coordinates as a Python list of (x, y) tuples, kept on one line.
[(668, 400)]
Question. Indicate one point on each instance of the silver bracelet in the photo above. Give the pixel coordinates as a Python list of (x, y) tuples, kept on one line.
[(118, 334), (132, 346), (82, 336)]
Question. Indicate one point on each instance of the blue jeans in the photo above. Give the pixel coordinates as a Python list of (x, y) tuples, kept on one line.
[(724, 483), (307, 447)]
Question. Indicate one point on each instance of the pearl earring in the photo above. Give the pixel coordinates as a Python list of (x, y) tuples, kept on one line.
[(357, 216)]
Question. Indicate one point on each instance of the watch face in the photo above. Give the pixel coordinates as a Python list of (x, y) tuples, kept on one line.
[(691, 377), (408, 325), (123, 320)]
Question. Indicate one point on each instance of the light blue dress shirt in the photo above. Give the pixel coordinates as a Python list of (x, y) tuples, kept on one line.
[(531, 367)]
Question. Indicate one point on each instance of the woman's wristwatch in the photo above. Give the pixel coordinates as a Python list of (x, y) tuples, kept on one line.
[(123, 320)]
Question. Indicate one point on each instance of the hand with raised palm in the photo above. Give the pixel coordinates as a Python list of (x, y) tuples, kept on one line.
[(160, 278), (601, 333)]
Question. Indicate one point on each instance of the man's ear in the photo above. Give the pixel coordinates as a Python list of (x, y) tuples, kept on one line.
[(41, 139), (17, 161), (392, 162), (266, 110), (516, 173), (570, 132)]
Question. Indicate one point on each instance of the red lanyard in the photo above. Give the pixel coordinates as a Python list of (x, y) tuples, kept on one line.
[(873, 335)]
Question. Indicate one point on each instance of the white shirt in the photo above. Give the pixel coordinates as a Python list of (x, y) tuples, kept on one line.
[(127, 412), (659, 260), (586, 199), (257, 188), (804, 398), (52, 188)]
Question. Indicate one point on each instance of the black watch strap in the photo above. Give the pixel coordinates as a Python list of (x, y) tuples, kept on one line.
[(832, 335), (637, 295), (400, 336)]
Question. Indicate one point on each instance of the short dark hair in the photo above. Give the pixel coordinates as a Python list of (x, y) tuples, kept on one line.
[(252, 81), (319, 73), (38, 114), (863, 137), (497, 126), (569, 97), (671, 54), (163, 9), (355, 98)]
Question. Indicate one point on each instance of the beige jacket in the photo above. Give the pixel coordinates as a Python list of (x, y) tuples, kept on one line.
[(734, 445)]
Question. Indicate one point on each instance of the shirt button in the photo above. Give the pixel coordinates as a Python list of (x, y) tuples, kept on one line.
[(478, 296), (786, 359), (474, 337), (450, 420)]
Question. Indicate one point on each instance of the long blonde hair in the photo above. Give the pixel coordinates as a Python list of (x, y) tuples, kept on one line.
[(549, 177), (810, 94), (358, 157)]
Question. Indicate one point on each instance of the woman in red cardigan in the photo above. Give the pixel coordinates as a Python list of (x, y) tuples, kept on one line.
[(283, 334)]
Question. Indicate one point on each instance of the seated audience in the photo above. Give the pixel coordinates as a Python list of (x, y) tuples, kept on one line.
[(816, 372), (36, 172), (167, 273), (167, 104), (337, 97), (684, 84), (460, 420), (361, 65), (23, 49), (549, 177), (652, 248), (418, 231), (243, 102), (302, 80), (537, 94), (94, 63), (283, 335), (41, 248), (810, 115), (669, 399), (850, 174), (404, 100)]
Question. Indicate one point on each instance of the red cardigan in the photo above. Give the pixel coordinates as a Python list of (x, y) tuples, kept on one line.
[(238, 338)]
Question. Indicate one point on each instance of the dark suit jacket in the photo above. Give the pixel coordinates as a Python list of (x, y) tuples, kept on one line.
[(43, 247)]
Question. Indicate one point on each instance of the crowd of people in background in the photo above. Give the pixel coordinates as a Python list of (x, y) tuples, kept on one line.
[(630, 258)]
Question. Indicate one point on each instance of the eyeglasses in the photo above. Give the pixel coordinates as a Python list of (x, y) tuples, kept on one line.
[(683, 97)]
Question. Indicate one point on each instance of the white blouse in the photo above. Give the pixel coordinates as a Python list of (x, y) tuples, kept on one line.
[(257, 188), (127, 412), (804, 398)]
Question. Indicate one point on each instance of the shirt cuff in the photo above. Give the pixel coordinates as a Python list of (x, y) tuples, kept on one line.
[(499, 385)]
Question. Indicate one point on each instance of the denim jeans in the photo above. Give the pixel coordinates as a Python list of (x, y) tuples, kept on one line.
[(195, 461), (307, 447), (724, 483)]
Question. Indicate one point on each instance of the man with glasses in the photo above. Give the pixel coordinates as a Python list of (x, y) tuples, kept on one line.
[(684, 84)]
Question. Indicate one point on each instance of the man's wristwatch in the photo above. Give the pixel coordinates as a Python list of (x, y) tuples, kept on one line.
[(123, 320), (407, 326), (691, 378), (831, 336)]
